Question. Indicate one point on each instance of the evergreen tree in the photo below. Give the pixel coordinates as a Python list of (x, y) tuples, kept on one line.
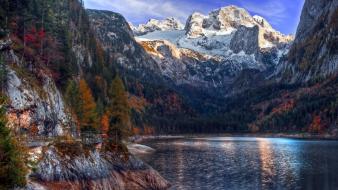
[(119, 111), (12, 157), (86, 108), (72, 95), (72, 100), (3, 74)]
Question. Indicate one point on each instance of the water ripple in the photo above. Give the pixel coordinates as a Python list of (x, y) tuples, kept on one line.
[(245, 163)]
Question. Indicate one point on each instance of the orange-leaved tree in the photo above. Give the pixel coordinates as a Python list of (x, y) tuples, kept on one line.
[(105, 123), (316, 125), (87, 114)]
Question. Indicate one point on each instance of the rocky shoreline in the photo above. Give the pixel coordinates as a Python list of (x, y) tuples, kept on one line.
[(77, 169)]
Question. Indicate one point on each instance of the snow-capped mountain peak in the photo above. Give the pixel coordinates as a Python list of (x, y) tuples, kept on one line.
[(227, 20), (220, 46), (262, 22), (194, 25), (152, 25)]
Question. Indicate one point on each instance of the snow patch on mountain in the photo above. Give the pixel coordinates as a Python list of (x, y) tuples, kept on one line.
[(157, 25)]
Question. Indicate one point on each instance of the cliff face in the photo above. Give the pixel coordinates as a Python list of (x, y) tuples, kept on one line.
[(33, 109), (243, 40), (116, 37), (314, 53), (36, 106)]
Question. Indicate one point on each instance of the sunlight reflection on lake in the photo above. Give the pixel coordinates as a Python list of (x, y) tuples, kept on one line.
[(245, 163)]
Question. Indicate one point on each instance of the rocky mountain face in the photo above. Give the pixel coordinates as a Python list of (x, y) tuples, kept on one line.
[(314, 53), (152, 25), (117, 39), (243, 41)]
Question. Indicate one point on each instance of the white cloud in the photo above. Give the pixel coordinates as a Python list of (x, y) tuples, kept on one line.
[(136, 10), (273, 10)]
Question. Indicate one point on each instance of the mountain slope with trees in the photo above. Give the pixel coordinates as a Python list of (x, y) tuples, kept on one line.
[(57, 77)]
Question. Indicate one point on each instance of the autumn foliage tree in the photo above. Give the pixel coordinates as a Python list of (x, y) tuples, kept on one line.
[(35, 38), (86, 108), (316, 125), (105, 123), (41, 48)]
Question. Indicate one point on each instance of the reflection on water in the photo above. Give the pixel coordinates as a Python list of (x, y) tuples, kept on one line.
[(267, 166), (245, 163)]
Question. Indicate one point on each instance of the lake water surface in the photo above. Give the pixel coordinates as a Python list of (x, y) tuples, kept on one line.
[(245, 163)]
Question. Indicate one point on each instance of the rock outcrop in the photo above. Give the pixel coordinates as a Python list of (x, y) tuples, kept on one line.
[(72, 167), (34, 109), (36, 106), (244, 40), (194, 25)]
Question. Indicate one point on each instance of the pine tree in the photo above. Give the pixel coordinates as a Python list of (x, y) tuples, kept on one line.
[(119, 111), (87, 114), (72, 95), (3, 74), (72, 99), (12, 157)]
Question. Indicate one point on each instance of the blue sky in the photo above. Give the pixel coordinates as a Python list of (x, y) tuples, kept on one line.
[(283, 15)]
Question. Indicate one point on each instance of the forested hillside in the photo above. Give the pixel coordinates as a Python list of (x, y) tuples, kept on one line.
[(52, 40), (63, 104)]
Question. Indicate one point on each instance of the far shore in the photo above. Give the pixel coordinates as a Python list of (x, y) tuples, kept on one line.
[(304, 136)]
